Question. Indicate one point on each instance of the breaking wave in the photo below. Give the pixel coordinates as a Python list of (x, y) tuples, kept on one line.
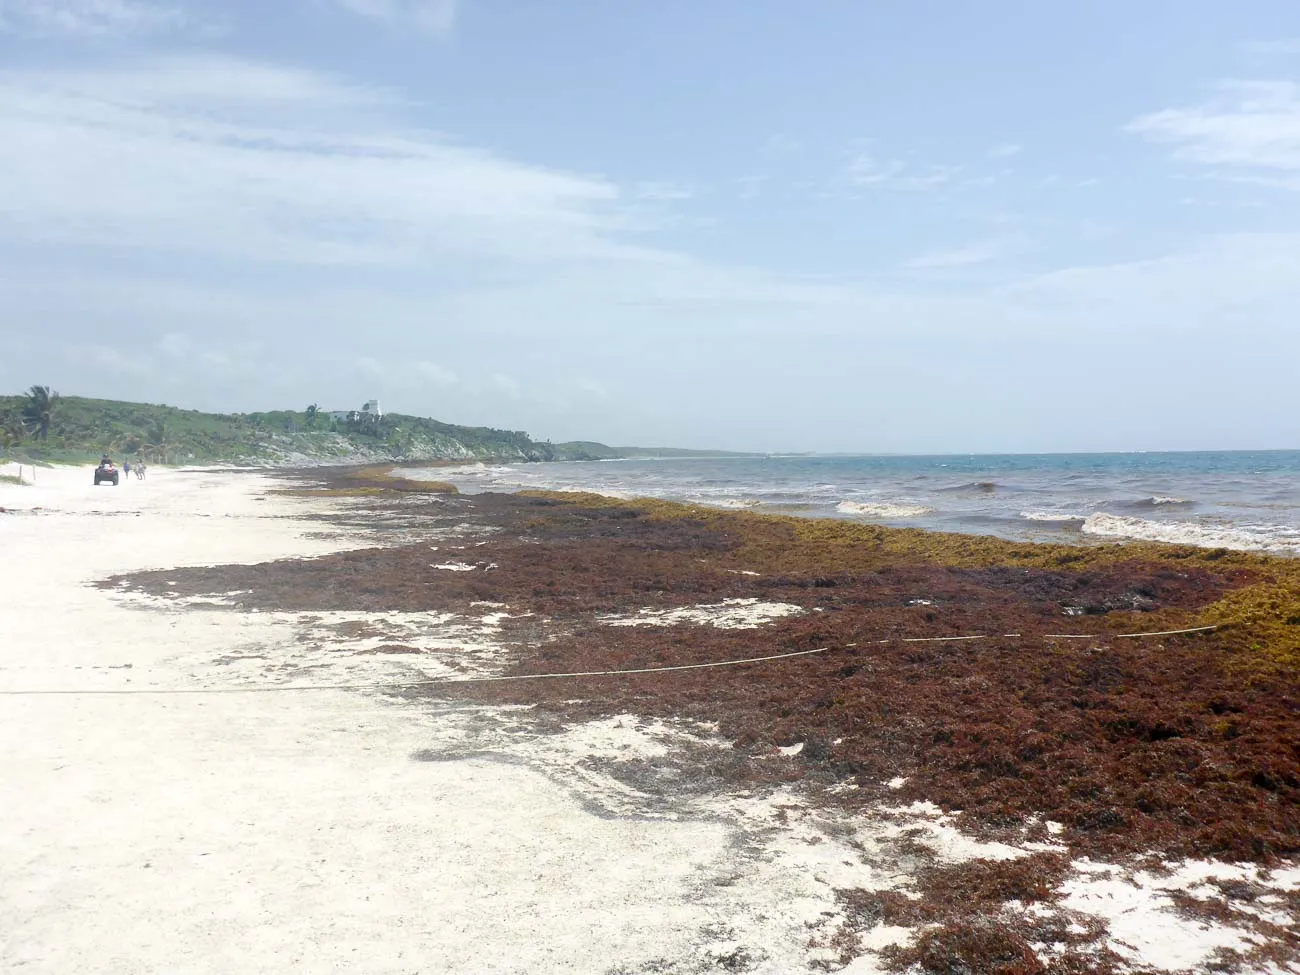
[(1054, 517), (1246, 538), (732, 503), (882, 509), (1159, 502), (476, 469)]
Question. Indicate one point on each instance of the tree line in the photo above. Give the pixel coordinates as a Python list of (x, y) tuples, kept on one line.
[(42, 424), (33, 420), (40, 410)]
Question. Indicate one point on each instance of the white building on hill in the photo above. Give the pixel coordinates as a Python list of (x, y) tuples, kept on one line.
[(370, 413)]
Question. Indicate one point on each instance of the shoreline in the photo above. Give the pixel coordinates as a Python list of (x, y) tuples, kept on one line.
[(1162, 501), (826, 768)]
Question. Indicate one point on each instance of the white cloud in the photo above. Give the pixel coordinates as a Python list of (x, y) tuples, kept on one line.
[(211, 87), (749, 187), (1217, 285), (103, 357), (782, 144), (661, 190), (866, 170), (1142, 326), (91, 18), (247, 162), (434, 17), (436, 373), (224, 203), (218, 359), (1005, 150), (1249, 126), (171, 357), (506, 385), (590, 387), (958, 257), (176, 345)]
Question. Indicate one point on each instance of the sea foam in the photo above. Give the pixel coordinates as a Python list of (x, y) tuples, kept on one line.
[(1262, 538), (882, 509), (1160, 501), (733, 503), (1058, 517)]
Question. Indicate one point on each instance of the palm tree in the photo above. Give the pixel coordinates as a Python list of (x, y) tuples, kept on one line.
[(157, 445), (313, 412), (42, 405)]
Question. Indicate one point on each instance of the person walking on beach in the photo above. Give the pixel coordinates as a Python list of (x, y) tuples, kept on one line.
[(126, 469)]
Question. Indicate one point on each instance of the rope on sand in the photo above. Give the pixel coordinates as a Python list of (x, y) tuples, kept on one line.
[(379, 685), (265, 688)]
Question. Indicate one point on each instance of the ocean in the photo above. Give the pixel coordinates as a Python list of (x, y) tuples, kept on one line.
[(1221, 499)]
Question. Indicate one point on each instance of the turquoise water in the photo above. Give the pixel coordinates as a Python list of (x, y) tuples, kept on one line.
[(1231, 499)]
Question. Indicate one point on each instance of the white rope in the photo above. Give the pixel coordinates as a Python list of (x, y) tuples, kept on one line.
[(1190, 629), (1045, 636), (937, 639), (269, 688), (1128, 636), (264, 688)]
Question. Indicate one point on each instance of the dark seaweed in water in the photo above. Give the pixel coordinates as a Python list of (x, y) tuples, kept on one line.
[(974, 487)]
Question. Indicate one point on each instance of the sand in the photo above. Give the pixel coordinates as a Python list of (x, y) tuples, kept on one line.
[(731, 614), (295, 832), (338, 830)]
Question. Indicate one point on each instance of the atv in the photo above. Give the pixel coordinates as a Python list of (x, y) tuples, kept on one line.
[(106, 472)]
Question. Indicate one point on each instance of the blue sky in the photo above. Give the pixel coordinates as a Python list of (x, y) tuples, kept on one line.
[(830, 226)]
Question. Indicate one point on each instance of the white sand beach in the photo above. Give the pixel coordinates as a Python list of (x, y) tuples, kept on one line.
[(288, 832), (341, 830)]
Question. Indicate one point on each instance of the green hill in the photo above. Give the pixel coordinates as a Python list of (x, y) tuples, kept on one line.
[(47, 427)]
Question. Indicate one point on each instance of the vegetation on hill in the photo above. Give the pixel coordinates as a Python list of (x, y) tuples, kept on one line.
[(42, 425)]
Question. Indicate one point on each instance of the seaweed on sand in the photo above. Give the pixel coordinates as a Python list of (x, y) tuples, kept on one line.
[(1183, 745)]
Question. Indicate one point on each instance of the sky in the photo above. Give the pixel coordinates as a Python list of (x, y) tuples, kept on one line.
[(895, 226)]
